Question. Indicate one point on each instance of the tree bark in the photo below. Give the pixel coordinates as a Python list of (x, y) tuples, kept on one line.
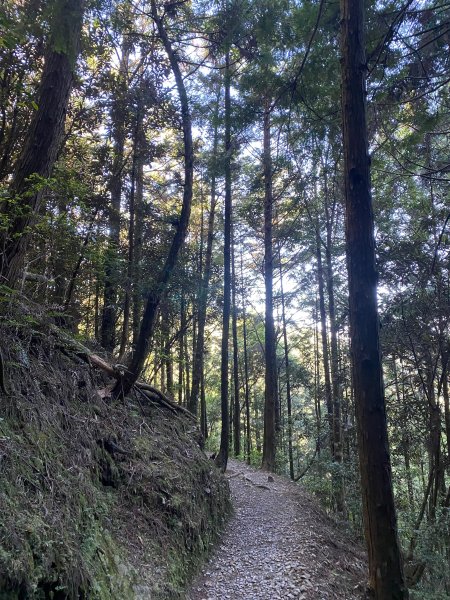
[(203, 414), (271, 423), (246, 378), (44, 136), (131, 242), (181, 346), (323, 331), (222, 456), (386, 578), (236, 398), (118, 127), (287, 371), (199, 351), (138, 229), (338, 483), (446, 396)]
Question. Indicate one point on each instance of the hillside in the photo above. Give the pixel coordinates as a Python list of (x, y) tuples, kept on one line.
[(99, 500)]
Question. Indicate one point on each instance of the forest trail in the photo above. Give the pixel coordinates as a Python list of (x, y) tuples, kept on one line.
[(279, 544)]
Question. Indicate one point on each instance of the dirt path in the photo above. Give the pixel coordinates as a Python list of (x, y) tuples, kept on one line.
[(279, 545)]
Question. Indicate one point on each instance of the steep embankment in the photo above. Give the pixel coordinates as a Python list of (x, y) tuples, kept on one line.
[(279, 544), (98, 501)]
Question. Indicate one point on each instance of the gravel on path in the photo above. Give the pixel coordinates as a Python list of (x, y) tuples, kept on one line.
[(279, 544)]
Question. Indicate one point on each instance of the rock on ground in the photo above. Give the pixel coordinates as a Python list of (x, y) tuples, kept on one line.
[(279, 545)]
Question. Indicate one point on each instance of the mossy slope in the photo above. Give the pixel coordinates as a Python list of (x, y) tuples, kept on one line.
[(98, 501)]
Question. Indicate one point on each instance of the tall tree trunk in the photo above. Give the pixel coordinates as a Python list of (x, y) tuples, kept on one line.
[(237, 404), (386, 577), (181, 351), (187, 370), (44, 137), (287, 371), (222, 456), (317, 406), (199, 351), (338, 483), (246, 379), (131, 246), (97, 310), (256, 420), (446, 396), (118, 128), (271, 423), (154, 298), (203, 413), (138, 228), (323, 331), (71, 287), (169, 366), (434, 441), (405, 438)]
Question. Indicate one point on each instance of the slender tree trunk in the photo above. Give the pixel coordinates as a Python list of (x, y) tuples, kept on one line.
[(386, 577), (256, 420), (118, 127), (246, 382), (434, 445), (236, 398), (148, 320), (288, 374), (338, 483), (318, 409), (131, 249), (199, 351), (187, 371), (71, 287), (271, 420), (181, 351), (405, 439), (166, 350), (445, 394), (97, 311), (162, 358), (230, 424), (323, 331), (222, 456), (169, 368), (203, 414), (138, 228), (44, 136)]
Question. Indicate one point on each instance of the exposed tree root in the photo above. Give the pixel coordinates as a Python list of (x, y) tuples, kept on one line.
[(150, 392)]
